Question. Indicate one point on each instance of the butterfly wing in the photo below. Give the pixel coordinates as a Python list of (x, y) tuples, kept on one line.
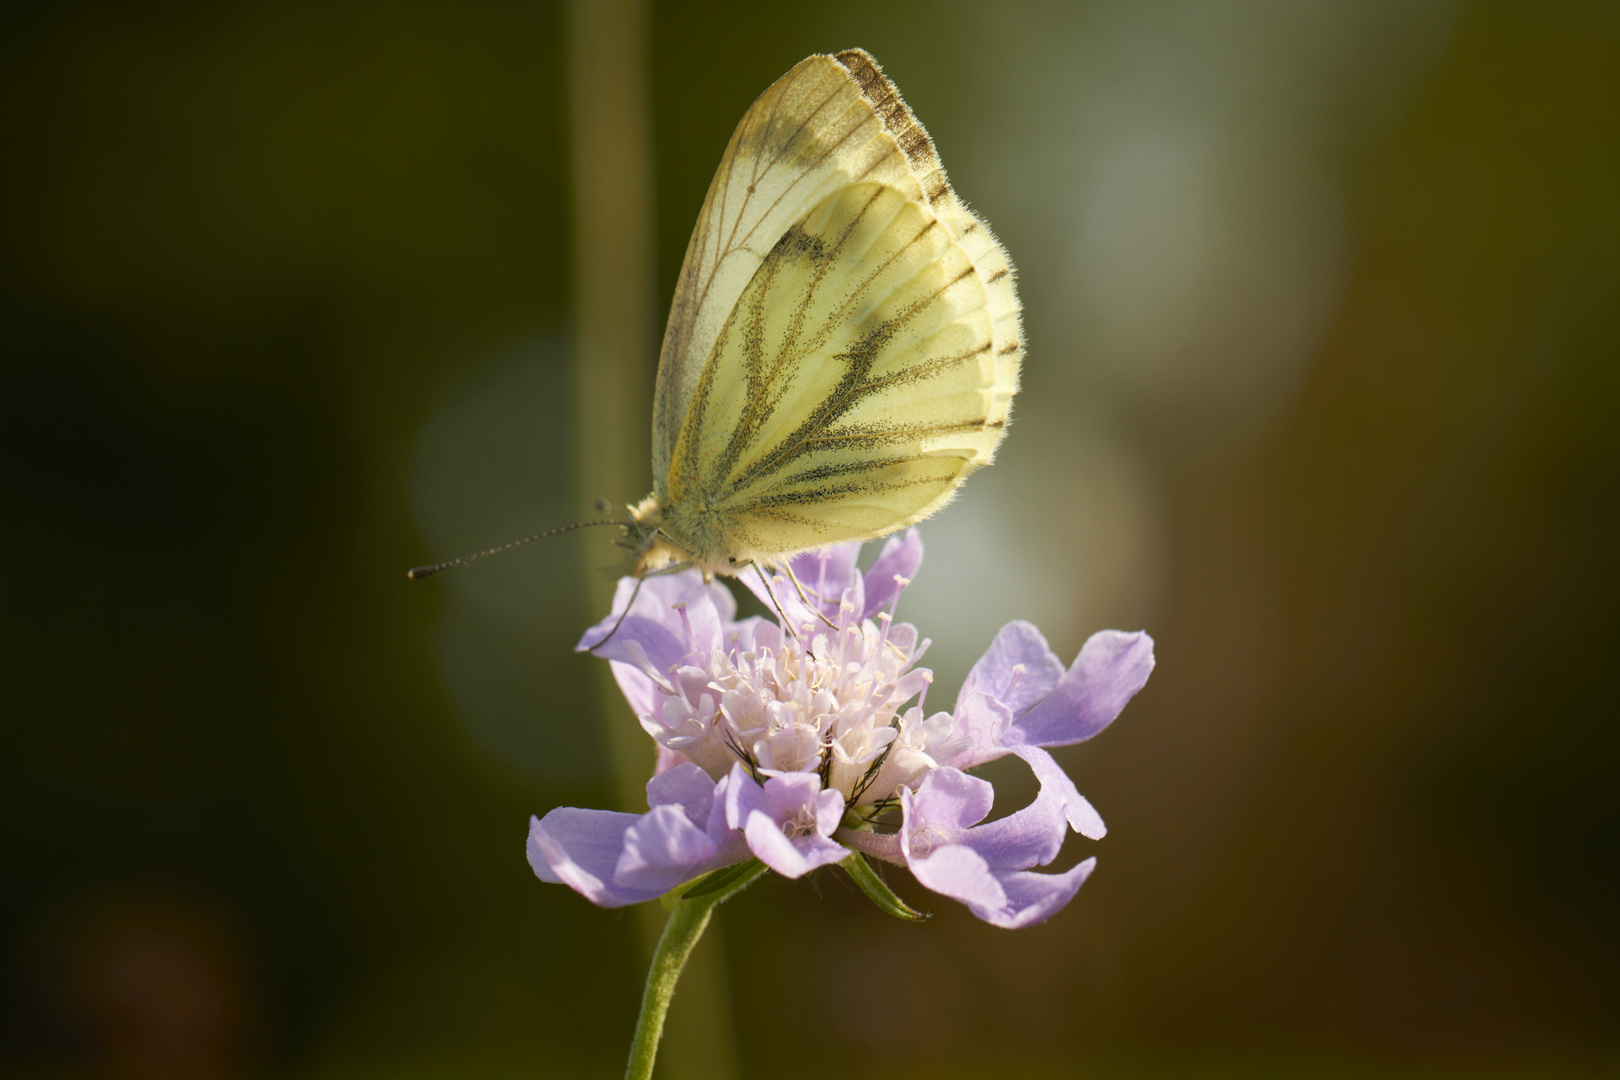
[(844, 342)]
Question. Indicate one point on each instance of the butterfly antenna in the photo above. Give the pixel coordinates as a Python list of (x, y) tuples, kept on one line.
[(417, 573)]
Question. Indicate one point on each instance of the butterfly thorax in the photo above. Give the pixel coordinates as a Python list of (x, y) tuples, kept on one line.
[(682, 532)]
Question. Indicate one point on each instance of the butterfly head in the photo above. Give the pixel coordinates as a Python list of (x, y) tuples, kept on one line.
[(651, 548), (674, 535)]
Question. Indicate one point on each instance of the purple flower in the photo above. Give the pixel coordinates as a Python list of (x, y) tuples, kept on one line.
[(797, 748)]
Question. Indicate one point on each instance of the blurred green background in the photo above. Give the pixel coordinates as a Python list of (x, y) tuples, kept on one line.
[(1323, 389)]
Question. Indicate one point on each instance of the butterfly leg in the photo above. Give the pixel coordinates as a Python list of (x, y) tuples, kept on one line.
[(673, 568), (766, 581), (635, 592), (787, 566)]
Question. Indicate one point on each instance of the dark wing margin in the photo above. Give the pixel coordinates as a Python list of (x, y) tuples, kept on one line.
[(899, 121)]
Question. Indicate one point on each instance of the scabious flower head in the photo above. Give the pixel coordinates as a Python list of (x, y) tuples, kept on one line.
[(789, 743)]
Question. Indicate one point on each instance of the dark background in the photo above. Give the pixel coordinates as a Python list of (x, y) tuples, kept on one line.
[(1324, 318)]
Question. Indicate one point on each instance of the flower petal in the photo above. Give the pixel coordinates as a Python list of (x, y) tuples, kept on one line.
[(668, 759), (1033, 898), (643, 643), (705, 627), (979, 727), (1017, 670), (636, 686), (744, 795), (1028, 837), (827, 575), (662, 849), (685, 786), (794, 801), (962, 874), (651, 601), (580, 849), (725, 605), (673, 616), (1082, 816), (791, 857), (900, 558), (986, 865), (885, 846), (1109, 671), (951, 799)]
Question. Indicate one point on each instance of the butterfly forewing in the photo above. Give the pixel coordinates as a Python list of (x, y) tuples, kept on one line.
[(807, 136)]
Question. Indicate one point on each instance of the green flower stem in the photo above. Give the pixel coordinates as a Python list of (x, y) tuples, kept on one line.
[(689, 909)]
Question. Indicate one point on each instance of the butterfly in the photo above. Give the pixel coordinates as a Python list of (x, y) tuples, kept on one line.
[(844, 342)]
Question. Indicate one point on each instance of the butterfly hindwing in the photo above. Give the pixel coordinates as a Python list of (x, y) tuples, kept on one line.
[(844, 342), (852, 385)]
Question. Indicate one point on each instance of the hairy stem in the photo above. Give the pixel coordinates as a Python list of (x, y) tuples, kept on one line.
[(688, 918)]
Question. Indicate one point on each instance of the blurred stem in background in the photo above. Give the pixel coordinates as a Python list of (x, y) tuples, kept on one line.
[(614, 342)]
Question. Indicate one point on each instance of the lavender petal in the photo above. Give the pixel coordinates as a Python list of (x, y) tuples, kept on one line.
[(1017, 670), (1077, 809), (1109, 671), (661, 850), (962, 874), (581, 849), (900, 558), (685, 786), (827, 576), (1033, 898), (793, 857)]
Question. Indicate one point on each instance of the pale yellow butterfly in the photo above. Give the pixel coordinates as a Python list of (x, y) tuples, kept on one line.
[(844, 343)]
